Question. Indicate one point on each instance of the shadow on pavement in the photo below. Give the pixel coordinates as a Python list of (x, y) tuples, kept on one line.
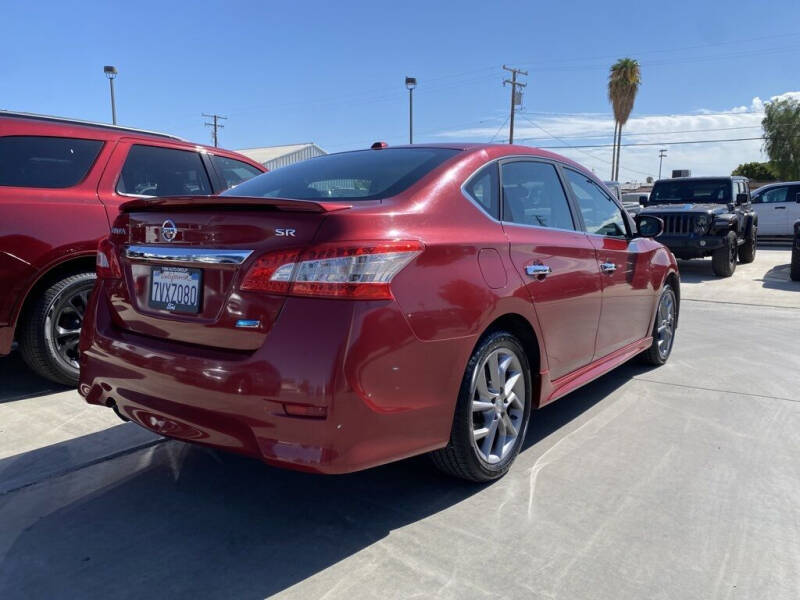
[(184, 521), (18, 382), (777, 278), (696, 270)]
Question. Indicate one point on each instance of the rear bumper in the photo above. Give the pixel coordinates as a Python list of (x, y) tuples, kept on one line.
[(692, 246), (385, 394)]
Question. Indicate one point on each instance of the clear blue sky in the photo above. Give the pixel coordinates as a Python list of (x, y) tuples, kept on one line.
[(332, 72)]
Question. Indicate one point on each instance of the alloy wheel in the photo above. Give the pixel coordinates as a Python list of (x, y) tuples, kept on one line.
[(63, 325), (666, 324), (498, 404)]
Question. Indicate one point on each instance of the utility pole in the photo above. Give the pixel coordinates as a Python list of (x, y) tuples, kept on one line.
[(661, 154), (216, 125), (516, 97)]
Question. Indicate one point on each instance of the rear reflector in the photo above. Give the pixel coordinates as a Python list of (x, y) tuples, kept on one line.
[(305, 410), (106, 264), (359, 271)]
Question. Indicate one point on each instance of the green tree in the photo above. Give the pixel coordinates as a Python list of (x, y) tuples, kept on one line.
[(782, 137), (759, 171), (624, 79)]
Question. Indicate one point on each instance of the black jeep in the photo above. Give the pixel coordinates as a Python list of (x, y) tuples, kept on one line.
[(706, 216), (795, 270)]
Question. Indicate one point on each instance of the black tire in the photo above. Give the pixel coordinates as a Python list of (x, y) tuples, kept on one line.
[(462, 457), (747, 251), (794, 272), (45, 352), (656, 355), (723, 261)]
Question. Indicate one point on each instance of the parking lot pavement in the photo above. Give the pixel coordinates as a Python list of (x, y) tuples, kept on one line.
[(764, 282), (47, 429), (678, 482)]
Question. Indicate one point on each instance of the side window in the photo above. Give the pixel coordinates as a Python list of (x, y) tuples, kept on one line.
[(775, 195), (45, 162), (233, 171), (600, 214), (156, 171), (532, 195), (483, 188)]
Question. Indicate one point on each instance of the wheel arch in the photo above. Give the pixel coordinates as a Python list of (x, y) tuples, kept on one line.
[(75, 264), (522, 329)]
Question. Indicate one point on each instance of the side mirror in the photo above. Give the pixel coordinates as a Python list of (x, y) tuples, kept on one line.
[(642, 200), (649, 226), (741, 199)]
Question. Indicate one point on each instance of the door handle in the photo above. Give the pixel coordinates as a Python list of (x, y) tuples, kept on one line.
[(538, 271), (780, 208), (608, 267)]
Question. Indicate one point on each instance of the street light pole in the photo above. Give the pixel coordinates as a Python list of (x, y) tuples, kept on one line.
[(111, 73), (411, 83), (661, 154)]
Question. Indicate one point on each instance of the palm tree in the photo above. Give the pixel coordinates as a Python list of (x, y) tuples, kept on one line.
[(623, 83)]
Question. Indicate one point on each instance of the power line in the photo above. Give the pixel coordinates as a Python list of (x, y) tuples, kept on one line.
[(503, 124), (658, 143), (576, 148), (600, 135), (215, 124)]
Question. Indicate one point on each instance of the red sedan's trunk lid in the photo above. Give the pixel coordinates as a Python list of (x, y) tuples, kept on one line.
[(204, 246)]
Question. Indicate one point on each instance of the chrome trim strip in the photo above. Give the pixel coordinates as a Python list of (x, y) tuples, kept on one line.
[(202, 256)]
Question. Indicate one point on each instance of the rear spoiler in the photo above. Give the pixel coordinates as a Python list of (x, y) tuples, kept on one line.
[(188, 202)]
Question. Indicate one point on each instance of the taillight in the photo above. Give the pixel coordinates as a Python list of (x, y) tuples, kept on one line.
[(343, 270), (107, 265)]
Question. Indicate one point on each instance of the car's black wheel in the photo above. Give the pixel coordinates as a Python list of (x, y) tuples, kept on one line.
[(663, 328), (723, 261), (794, 272), (51, 328), (747, 251), (492, 411)]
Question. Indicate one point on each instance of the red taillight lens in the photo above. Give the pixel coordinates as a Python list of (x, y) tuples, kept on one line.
[(271, 272), (107, 265), (363, 270)]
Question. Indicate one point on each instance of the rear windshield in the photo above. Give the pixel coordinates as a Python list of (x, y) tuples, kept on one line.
[(45, 162), (360, 175), (691, 190)]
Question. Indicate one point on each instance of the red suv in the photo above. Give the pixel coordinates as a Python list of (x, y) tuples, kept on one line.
[(61, 184), (362, 307)]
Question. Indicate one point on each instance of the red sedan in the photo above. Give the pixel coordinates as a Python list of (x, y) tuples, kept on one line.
[(362, 307)]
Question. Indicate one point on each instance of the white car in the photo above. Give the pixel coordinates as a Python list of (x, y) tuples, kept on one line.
[(778, 207)]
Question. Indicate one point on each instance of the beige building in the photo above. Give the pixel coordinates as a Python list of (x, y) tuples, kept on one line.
[(274, 157)]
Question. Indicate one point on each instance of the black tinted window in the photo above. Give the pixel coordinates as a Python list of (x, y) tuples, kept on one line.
[(483, 188), (692, 190), (361, 175), (45, 162), (154, 171), (601, 215), (532, 195), (234, 171)]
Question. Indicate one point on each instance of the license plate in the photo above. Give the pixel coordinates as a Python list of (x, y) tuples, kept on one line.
[(177, 289)]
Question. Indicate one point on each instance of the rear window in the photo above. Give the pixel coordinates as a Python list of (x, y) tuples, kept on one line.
[(360, 175), (692, 190), (45, 162), (156, 171)]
